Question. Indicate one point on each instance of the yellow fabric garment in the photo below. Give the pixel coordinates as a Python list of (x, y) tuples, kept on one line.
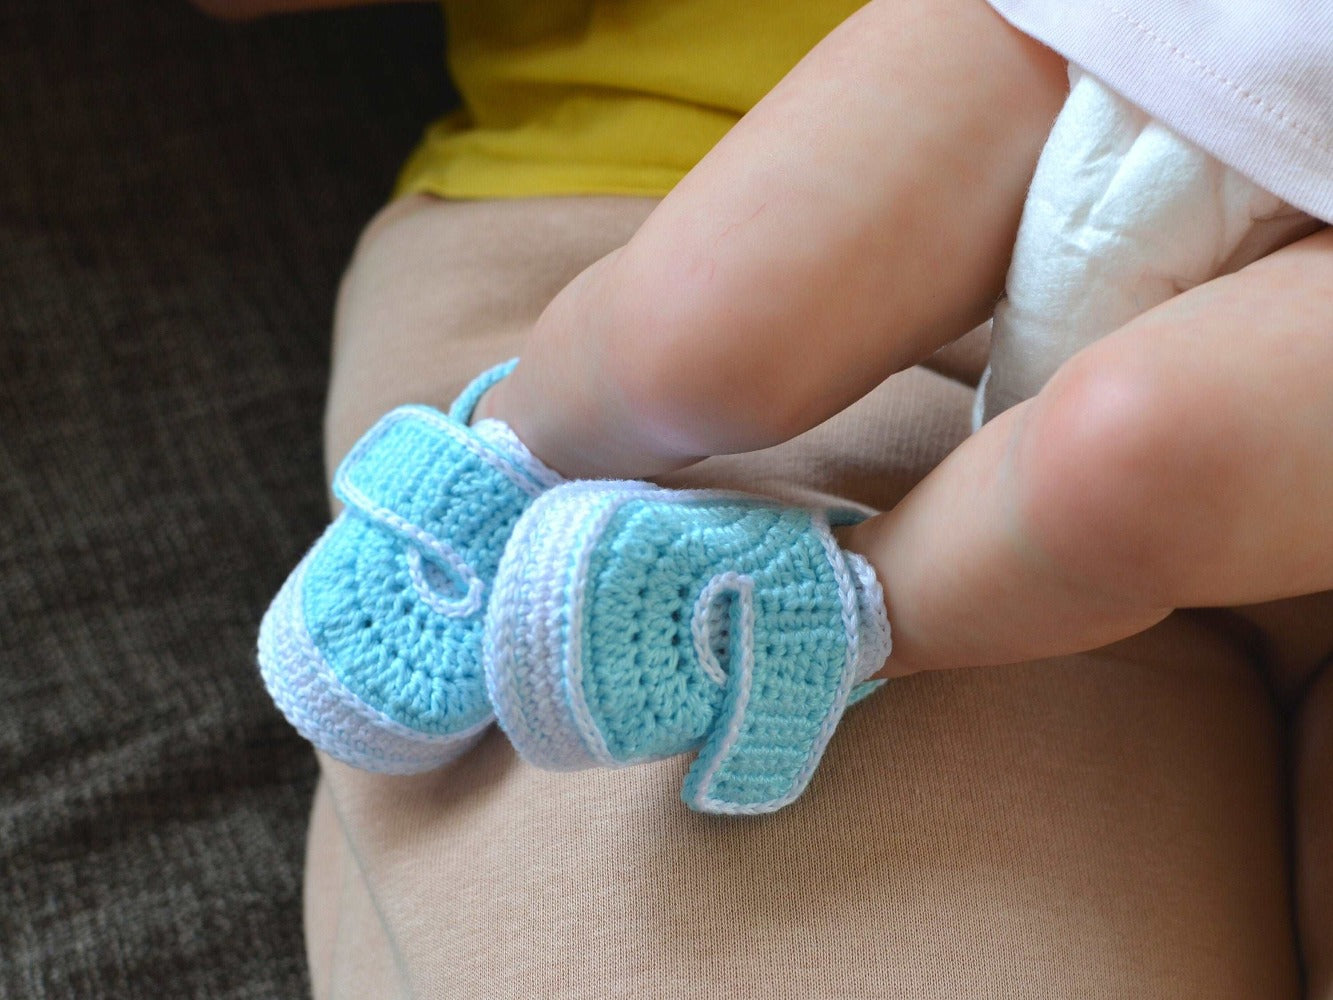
[(603, 96)]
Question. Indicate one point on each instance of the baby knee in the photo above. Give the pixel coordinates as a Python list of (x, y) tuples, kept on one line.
[(1124, 477), (688, 352)]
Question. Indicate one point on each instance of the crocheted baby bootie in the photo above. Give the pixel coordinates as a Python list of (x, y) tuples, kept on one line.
[(630, 623), (372, 649)]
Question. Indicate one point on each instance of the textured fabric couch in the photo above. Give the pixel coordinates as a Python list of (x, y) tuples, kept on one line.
[(177, 199)]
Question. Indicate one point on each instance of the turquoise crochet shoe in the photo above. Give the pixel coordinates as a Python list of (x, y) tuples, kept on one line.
[(630, 623), (372, 649)]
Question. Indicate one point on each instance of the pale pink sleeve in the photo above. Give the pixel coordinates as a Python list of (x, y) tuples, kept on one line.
[(1250, 81)]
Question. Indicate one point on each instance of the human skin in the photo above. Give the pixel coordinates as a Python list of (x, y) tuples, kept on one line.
[(861, 216), (1120, 815), (858, 218), (1182, 461), (1203, 793)]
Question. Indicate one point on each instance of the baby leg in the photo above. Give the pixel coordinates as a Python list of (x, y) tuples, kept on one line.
[(1182, 461), (425, 275), (860, 216), (1122, 215), (1101, 827), (372, 648)]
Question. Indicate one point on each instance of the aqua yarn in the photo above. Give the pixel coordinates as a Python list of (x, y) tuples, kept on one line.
[(630, 623), (372, 648)]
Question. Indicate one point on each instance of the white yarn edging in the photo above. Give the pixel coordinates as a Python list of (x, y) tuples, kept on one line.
[(315, 701), (575, 590), (724, 583), (533, 619), (743, 669)]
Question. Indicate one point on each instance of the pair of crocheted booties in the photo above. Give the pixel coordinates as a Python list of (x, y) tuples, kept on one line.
[(602, 623)]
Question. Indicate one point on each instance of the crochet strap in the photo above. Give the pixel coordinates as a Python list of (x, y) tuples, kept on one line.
[(468, 399), (769, 736), (411, 464), (428, 478)]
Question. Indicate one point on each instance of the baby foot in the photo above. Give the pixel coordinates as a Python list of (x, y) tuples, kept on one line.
[(372, 648), (630, 623)]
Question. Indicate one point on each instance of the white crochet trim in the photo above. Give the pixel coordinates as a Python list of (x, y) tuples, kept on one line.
[(533, 644), (501, 436), (530, 624), (702, 619), (583, 543), (743, 665), (875, 633), (462, 607), (324, 711)]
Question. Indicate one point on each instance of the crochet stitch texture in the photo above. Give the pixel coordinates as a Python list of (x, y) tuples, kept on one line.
[(372, 648), (630, 623)]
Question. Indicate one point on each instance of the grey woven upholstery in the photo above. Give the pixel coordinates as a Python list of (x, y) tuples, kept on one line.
[(177, 199)]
